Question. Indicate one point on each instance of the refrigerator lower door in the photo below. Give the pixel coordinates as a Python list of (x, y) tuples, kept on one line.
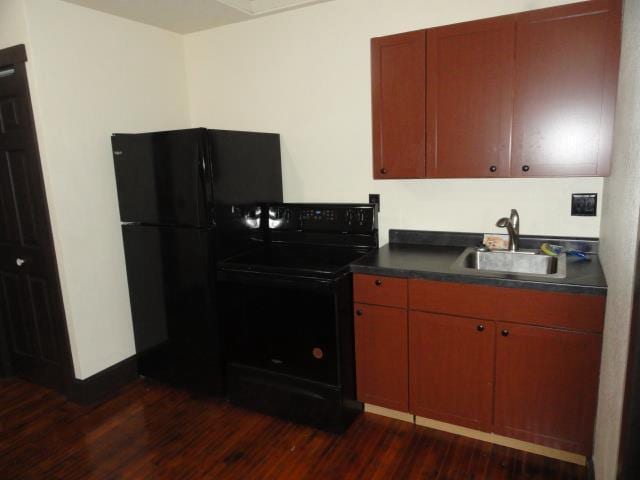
[(171, 292)]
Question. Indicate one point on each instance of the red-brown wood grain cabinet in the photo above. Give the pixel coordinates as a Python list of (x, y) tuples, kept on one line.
[(547, 385), (380, 318), (381, 356), (565, 89), (469, 87), (451, 369), (547, 358), (525, 95), (398, 105)]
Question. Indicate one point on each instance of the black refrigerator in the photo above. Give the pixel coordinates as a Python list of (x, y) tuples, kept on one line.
[(188, 198)]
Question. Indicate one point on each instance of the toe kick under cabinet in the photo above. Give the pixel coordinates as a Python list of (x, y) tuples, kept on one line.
[(514, 362)]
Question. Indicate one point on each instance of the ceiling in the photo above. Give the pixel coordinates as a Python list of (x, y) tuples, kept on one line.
[(187, 16)]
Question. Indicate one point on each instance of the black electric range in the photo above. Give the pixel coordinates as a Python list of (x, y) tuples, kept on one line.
[(287, 311)]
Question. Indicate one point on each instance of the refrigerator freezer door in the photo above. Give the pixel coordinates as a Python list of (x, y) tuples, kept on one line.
[(161, 177), (171, 295)]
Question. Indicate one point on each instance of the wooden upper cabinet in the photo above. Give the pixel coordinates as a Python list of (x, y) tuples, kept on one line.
[(469, 98), (566, 77), (398, 103), (547, 386)]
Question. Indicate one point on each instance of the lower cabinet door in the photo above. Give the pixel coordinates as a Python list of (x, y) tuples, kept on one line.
[(381, 356), (547, 386), (451, 365)]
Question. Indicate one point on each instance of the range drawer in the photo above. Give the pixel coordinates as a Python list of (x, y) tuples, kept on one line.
[(379, 290), (552, 309)]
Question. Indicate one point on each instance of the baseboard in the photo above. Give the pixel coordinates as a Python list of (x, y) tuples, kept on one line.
[(591, 473), (102, 385), (388, 412), (485, 437), (503, 441)]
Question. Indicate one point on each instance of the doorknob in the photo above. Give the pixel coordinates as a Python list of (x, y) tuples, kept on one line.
[(20, 261)]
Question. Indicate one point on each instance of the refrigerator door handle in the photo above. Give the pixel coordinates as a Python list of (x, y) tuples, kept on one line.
[(206, 185)]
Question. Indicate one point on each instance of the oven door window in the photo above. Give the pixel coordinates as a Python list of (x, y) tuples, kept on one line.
[(283, 330)]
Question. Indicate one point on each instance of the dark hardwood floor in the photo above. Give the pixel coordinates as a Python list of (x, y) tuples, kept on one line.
[(150, 431)]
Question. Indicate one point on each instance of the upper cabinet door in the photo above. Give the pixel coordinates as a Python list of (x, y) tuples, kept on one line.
[(566, 76), (398, 99), (469, 98)]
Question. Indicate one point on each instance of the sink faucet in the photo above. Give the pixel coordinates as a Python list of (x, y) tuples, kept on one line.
[(512, 224)]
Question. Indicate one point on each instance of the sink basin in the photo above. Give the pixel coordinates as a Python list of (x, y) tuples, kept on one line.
[(522, 262)]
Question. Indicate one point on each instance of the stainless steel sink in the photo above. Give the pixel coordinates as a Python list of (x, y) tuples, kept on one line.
[(521, 262)]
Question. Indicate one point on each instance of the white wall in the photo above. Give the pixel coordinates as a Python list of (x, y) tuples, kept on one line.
[(306, 75), (92, 74), (13, 27), (619, 231)]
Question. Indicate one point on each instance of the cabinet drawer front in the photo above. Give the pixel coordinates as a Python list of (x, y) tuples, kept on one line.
[(381, 356), (378, 290), (553, 309)]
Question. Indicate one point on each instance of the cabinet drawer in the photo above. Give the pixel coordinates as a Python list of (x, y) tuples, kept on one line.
[(553, 309), (378, 290)]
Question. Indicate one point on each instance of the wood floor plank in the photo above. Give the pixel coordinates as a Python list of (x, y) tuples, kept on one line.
[(152, 431)]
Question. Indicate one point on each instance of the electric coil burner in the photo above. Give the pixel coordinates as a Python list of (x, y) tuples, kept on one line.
[(287, 309)]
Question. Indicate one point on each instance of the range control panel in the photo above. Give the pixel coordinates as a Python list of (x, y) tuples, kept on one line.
[(330, 218)]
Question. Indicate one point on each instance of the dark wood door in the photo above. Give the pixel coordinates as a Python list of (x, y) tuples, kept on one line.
[(398, 105), (547, 385), (381, 356), (566, 80), (31, 310), (470, 98), (451, 369)]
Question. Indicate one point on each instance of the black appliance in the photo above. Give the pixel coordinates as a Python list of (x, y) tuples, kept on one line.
[(187, 199), (287, 309)]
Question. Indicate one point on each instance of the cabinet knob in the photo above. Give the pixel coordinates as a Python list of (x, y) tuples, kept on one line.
[(383, 171), (480, 328), (20, 261), (378, 282), (525, 168), (493, 168), (359, 313), (505, 333)]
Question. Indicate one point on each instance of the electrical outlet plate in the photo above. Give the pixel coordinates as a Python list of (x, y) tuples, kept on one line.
[(375, 198), (584, 204)]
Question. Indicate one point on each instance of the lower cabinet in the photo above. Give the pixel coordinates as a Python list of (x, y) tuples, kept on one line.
[(546, 385), (517, 363), (381, 356), (451, 365)]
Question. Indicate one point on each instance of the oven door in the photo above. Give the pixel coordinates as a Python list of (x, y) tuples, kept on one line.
[(282, 324)]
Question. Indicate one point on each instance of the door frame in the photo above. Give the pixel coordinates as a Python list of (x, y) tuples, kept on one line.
[(629, 450), (16, 57)]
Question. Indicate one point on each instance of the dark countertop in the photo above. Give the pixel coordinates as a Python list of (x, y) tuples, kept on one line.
[(415, 259)]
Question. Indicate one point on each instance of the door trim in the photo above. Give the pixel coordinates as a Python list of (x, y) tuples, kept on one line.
[(629, 449)]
